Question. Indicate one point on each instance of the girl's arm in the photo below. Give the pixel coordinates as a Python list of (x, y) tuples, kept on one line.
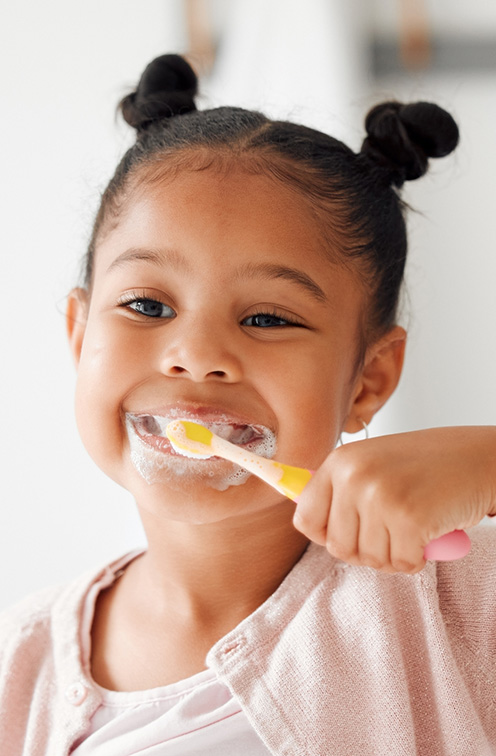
[(378, 502)]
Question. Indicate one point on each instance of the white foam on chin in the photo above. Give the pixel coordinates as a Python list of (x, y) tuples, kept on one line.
[(178, 470)]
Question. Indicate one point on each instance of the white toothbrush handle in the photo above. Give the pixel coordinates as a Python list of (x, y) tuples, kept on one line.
[(263, 468)]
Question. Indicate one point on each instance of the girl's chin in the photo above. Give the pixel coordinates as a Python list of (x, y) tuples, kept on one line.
[(198, 499)]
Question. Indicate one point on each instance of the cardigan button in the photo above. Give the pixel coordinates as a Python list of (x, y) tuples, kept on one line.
[(76, 694)]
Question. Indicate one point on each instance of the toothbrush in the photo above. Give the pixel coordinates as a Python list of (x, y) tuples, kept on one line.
[(194, 440)]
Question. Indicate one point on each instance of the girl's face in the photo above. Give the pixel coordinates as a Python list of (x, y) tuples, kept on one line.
[(213, 300)]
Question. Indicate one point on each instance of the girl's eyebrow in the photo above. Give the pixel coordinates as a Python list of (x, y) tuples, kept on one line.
[(172, 258), (161, 257), (271, 270)]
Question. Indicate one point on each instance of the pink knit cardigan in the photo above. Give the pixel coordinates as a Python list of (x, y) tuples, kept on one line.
[(339, 661)]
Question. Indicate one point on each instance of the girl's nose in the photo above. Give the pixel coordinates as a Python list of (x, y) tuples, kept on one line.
[(200, 354)]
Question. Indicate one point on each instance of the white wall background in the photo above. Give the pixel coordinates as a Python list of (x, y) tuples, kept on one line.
[(450, 369), (450, 309), (64, 67)]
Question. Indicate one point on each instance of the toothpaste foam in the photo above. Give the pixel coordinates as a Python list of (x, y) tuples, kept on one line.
[(179, 470)]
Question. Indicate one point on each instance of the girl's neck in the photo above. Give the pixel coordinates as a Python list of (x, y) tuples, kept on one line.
[(192, 586), (222, 570)]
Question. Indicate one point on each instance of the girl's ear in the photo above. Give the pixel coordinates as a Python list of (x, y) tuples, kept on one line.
[(378, 378), (75, 320)]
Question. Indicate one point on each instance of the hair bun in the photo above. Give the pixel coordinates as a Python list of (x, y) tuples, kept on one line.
[(401, 138), (167, 88)]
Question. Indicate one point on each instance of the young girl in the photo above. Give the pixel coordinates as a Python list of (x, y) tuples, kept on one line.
[(245, 273)]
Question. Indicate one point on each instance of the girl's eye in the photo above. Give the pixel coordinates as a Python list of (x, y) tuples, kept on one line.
[(151, 308), (267, 320)]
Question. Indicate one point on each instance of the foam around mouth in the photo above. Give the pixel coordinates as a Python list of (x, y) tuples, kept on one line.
[(156, 461)]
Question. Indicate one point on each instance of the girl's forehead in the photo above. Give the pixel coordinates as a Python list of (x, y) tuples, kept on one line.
[(237, 191), (236, 212)]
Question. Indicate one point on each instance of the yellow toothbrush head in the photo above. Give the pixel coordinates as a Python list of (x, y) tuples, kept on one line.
[(190, 439)]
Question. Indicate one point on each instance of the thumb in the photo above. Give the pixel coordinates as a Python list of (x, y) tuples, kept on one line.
[(313, 507)]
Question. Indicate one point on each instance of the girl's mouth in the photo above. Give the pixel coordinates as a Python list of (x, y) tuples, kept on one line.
[(151, 431), (157, 462)]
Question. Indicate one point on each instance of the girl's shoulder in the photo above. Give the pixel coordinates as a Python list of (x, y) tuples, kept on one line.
[(28, 641), (31, 611), (478, 568), (50, 612), (467, 590)]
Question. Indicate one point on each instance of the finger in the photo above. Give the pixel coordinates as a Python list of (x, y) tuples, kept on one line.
[(373, 544), (407, 553), (342, 532), (312, 511)]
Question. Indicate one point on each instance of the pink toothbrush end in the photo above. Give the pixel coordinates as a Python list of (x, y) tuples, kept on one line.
[(449, 547)]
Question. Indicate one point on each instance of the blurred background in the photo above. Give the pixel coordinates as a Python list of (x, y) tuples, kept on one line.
[(320, 62)]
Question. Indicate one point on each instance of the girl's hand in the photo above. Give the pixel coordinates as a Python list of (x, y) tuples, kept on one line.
[(379, 502)]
